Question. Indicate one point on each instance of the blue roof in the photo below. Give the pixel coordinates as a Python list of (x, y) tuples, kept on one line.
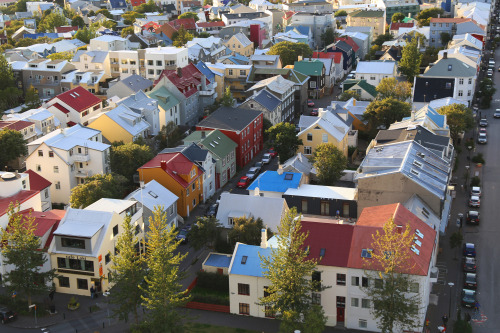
[(437, 118), (272, 181), (218, 260), (266, 99), (303, 30), (252, 265), (118, 3), (205, 71), (52, 35)]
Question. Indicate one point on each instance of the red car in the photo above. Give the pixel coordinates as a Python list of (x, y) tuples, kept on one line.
[(272, 152), (244, 182), (314, 112), (310, 103)]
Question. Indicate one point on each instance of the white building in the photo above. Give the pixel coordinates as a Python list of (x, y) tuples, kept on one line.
[(160, 58), (374, 71), (109, 43), (45, 122)]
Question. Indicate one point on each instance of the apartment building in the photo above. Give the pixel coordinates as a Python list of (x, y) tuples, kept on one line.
[(45, 76), (376, 19)]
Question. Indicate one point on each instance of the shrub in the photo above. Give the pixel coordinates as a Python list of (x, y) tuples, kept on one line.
[(475, 181), (213, 281), (210, 299), (478, 158)]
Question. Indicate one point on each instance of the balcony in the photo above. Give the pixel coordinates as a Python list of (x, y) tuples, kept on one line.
[(83, 173), (207, 92), (81, 157)]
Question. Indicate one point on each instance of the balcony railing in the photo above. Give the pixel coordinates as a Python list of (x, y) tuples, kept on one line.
[(81, 157), (83, 173)]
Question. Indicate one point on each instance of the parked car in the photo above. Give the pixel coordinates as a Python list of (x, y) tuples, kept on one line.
[(182, 236), (483, 130), (6, 315), (252, 172), (474, 201), (473, 217), (272, 152), (469, 250), (314, 113), (496, 114), (483, 122), (499, 68), (482, 138), (259, 166), (470, 281), (469, 265), (476, 190), (266, 158), (489, 75), (212, 210), (468, 298), (310, 103), (244, 182)]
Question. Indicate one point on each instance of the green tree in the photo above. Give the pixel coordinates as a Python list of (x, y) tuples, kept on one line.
[(424, 17), (188, 15), (314, 320), (486, 92), (227, 99), (348, 94), (85, 35), (163, 293), (127, 32), (458, 117), (9, 93), (246, 230), (51, 21), (181, 37), (23, 42), (104, 12), (97, 187), (411, 58), (328, 37), (390, 287), (6, 74), (329, 162), (130, 17), (456, 240), (284, 139), (203, 34), (381, 39), (398, 17), (289, 272), (77, 21), (445, 38), (126, 158), (371, 55), (208, 3), (12, 145), (430, 55), (462, 325), (61, 56), (340, 13), (391, 87), (148, 7), (21, 248), (289, 52), (32, 99), (206, 231), (385, 112), (127, 273)]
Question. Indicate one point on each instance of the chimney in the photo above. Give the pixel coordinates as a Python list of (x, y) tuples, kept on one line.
[(203, 82), (412, 115), (163, 165), (321, 112), (353, 102), (263, 238), (445, 55), (179, 72), (280, 171), (439, 15), (299, 58), (202, 134)]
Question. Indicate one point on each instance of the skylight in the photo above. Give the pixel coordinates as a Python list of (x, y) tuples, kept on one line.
[(419, 234), (154, 195), (289, 176), (414, 249), (366, 253), (244, 260), (322, 252)]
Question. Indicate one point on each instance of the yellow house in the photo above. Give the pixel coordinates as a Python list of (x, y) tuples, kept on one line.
[(327, 128), (121, 124), (368, 18), (234, 77), (240, 43), (84, 243)]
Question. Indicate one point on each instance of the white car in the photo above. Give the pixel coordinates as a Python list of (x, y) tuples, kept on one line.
[(476, 191), (266, 158), (252, 172)]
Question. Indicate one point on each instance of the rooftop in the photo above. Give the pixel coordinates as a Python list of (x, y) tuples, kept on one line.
[(324, 192), (275, 182), (227, 118)]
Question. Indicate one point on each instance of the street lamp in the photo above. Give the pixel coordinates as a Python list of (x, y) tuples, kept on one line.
[(451, 284)]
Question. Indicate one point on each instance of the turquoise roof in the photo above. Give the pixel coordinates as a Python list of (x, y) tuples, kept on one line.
[(311, 67), (166, 100)]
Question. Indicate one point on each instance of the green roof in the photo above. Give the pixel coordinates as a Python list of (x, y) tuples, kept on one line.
[(310, 67), (368, 87), (408, 20), (367, 13), (287, 73), (219, 144), (166, 100)]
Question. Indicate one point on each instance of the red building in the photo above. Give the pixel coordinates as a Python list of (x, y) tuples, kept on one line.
[(243, 126)]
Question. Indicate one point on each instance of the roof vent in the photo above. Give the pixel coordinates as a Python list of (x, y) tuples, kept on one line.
[(9, 176), (154, 195), (76, 93), (289, 176)]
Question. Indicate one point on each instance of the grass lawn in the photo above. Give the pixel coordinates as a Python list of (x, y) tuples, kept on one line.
[(206, 328), (210, 296)]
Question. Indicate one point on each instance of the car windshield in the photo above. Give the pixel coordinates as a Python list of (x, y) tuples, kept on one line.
[(251, 172), (183, 232), (468, 298)]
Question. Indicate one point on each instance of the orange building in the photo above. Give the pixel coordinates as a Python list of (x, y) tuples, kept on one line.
[(179, 175)]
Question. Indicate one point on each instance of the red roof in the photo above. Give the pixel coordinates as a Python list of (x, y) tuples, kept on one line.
[(60, 108), (351, 42), (288, 15), (188, 23), (15, 125), (20, 197), (187, 83), (78, 99), (176, 165), (210, 24), (333, 237), (37, 182), (70, 123), (397, 25), (372, 219), (66, 29), (45, 221), (336, 56)]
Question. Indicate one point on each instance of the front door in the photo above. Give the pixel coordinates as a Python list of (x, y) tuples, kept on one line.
[(97, 284), (340, 315)]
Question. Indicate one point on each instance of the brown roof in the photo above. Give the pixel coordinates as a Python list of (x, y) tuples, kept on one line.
[(449, 19)]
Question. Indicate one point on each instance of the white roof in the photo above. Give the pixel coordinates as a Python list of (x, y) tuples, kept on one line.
[(70, 137), (108, 38), (277, 84), (331, 123), (128, 119), (206, 43), (83, 223), (324, 192), (39, 114), (153, 194), (375, 67), (110, 205), (165, 50)]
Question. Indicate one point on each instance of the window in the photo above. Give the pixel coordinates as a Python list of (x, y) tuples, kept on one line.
[(159, 63), (340, 279), (230, 72), (304, 206), (448, 85), (63, 281), (316, 298), (460, 93), (38, 167), (243, 289), (46, 193), (312, 84), (364, 281), (73, 243), (194, 202), (56, 169), (51, 154), (363, 323), (373, 78), (340, 302), (325, 208), (316, 278), (355, 280), (470, 81), (461, 81), (365, 303), (243, 73), (40, 153), (82, 284), (150, 62), (269, 313), (107, 258), (414, 287), (355, 302), (345, 209), (115, 230), (379, 283), (325, 137), (309, 137), (244, 308), (307, 151), (58, 185), (469, 93)]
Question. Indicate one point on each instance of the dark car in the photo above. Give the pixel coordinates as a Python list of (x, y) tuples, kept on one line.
[(244, 182), (6, 315), (483, 122), (314, 112), (469, 265), (272, 152), (212, 210), (468, 298), (470, 281), (473, 217), (469, 250), (182, 236)]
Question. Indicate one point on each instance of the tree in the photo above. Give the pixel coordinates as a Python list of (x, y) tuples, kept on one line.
[(205, 232), (21, 248), (456, 240), (458, 117), (127, 273), (284, 140), (51, 21), (12, 145), (130, 17), (328, 37), (371, 55), (163, 290), (61, 55), (208, 3), (204, 34), (246, 230), (391, 87), (411, 58), (424, 17), (77, 21), (430, 55), (445, 38), (289, 52), (289, 272), (486, 92), (97, 187), (9, 94), (227, 99), (398, 17), (127, 32), (385, 112), (340, 13), (348, 94), (381, 39), (32, 99), (104, 12), (329, 162), (126, 158), (188, 15), (181, 37), (394, 305), (85, 35)]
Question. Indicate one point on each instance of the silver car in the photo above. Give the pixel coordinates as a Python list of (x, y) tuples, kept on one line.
[(252, 172), (482, 138), (266, 158)]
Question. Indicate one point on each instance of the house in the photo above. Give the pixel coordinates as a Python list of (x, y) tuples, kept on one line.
[(407, 8), (232, 206), (147, 108), (267, 103), (315, 69), (164, 58), (85, 240), (128, 86), (337, 70), (299, 163), (440, 25), (239, 43), (374, 71), (243, 126), (94, 81), (413, 169), (427, 117), (395, 26), (117, 4), (317, 23), (232, 76), (272, 184), (223, 150), (348, 57), (362, 40), (351, 112), (426, 89), (265, 61), (217, 263), (179, 175), (145, 39), (292, 36), (375, 19), (44, 121), (92, 60), (28, 131), (349, 41), (235, 18), (329, 72), (44, 75), (366, 91), (205, 49), (212, 28), (109, 43), (294, 31), (151, 196), (67, 157), (188, 23), (168, 105), (467, 40), (393, 53), (327, 127)]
